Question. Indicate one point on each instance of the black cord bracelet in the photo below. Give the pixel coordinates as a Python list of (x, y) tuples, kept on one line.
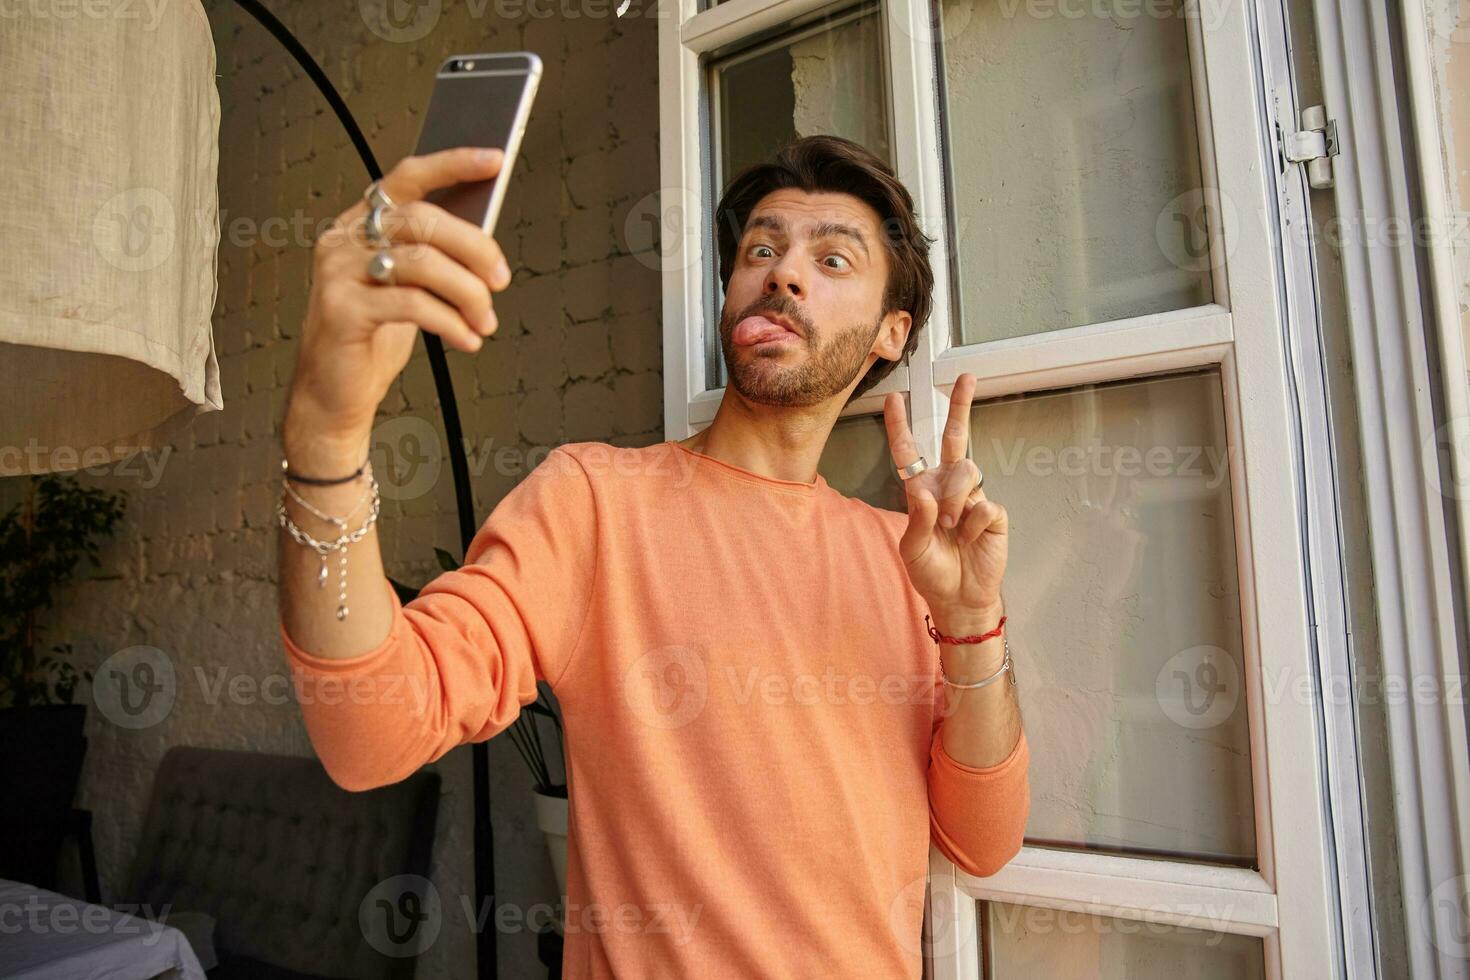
[(317, 481)]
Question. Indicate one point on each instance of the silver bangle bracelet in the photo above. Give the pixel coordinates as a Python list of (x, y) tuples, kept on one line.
[(1004, 668)]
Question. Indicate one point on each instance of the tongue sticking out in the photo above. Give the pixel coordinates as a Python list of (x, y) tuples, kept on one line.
[(757, 330)]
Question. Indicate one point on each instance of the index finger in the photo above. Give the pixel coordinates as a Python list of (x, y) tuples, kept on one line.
[(414, 177), (956, 441), (900, 437)]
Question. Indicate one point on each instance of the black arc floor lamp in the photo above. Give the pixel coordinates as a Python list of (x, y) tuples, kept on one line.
[(484, 840)]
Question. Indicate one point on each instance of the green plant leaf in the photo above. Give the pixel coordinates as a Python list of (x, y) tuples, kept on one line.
[(446, 561)]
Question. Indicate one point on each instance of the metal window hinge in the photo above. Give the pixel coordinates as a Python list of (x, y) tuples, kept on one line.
[(1315, 144)]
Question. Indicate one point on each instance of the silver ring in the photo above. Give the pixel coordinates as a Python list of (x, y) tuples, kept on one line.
[(913, 469), (374, 225), (380, 266), (377, 197)]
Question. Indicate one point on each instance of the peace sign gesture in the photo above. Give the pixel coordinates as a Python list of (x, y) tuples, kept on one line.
[(954, 547)]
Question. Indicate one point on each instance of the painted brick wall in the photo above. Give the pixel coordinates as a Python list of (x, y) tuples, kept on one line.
[(577, 356)]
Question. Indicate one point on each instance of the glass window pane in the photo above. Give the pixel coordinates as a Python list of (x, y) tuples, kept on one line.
[(1025, 942), (824, 78), (1073, 167), (857, 463), (1123, 599)]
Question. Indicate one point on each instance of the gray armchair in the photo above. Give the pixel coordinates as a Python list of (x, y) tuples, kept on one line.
[(282, 859)]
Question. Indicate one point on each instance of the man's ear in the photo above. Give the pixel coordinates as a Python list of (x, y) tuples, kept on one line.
[(893, 334)]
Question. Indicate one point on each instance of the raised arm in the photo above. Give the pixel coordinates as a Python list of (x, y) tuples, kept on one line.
[(357, 337)]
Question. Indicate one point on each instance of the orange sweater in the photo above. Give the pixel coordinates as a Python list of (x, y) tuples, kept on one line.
[(749, 701)]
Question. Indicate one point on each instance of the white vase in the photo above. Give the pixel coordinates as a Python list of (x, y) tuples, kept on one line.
[(551, 817)]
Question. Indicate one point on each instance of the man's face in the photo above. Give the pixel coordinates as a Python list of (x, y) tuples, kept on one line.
[(818, 261)]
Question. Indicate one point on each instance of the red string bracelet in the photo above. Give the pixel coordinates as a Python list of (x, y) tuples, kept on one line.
[(941, 638)]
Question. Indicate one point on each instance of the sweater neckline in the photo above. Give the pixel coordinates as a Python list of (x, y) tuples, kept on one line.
[(750, 476)]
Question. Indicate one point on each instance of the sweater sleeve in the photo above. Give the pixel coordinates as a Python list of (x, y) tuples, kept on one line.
[(977, 817), (464, 656)]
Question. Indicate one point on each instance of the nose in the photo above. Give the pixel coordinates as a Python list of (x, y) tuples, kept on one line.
[(784, 276)]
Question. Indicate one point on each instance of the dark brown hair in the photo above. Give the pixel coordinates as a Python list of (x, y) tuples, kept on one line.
[(837, 165)]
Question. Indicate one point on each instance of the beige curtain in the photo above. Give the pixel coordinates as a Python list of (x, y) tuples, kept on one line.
[(109, 224)]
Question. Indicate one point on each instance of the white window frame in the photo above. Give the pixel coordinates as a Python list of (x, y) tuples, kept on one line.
[(1391, 318), (1288, 902)]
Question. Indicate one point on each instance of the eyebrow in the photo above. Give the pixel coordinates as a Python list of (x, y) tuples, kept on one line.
[(824, 229)]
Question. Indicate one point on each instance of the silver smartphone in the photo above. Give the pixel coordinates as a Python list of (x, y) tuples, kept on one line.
[(480, 100)]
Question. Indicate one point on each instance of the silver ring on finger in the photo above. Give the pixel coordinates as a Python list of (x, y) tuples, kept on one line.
[(381, 265), (913, 469), (376, 196), (374, 225)]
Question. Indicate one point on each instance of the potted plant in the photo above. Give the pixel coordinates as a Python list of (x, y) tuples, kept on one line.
[(41, 542), (551, 796)]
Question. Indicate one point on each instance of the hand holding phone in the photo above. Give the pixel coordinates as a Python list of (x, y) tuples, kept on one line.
[(359, 333)]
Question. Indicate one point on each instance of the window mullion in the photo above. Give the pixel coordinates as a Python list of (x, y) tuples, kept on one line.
[(915, 114)]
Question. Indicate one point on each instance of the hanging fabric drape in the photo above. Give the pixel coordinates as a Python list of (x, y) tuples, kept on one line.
[(109, 226)]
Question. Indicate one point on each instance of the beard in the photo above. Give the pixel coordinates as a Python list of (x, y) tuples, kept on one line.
[(826, 370)]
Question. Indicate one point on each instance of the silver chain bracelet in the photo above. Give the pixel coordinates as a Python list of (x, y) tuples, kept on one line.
[(340, 543)]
